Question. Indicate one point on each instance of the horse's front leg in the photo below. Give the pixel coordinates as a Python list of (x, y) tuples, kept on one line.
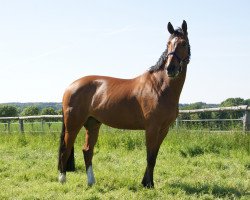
[(154, 139)]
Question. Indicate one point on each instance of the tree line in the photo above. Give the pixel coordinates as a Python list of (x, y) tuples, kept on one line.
[(31, 109), (7, 110)]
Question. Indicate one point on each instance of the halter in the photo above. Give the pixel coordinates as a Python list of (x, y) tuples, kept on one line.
[(185, 60), (175, 55), (180, 61)]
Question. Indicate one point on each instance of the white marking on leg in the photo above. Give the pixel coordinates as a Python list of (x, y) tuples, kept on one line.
[(90, 175), (62, 177)]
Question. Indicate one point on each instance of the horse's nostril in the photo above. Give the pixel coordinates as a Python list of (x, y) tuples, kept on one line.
[(171, 71)]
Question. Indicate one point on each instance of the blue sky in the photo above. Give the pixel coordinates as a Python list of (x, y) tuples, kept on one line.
[(45, 45)]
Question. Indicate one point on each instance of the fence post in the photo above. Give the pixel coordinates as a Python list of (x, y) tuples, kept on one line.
[(8, 126), (246, 121), (42, 125), (177, 123), (21, 127)]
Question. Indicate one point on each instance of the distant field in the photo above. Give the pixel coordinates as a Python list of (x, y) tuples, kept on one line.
[(193, 165)]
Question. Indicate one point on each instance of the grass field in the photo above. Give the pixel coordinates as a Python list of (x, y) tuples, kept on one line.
[(190, 165)]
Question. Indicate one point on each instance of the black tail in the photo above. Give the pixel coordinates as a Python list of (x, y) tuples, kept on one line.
[(71, 160)]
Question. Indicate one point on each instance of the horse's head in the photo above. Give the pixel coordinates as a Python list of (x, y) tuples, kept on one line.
[(178, 50)]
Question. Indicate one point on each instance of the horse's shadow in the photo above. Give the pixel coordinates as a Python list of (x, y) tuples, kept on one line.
[(216, 190)]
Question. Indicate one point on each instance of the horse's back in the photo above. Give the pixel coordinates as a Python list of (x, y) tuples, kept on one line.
[(88, 85)]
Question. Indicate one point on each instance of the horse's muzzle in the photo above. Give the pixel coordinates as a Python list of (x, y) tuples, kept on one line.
[(173, 70)]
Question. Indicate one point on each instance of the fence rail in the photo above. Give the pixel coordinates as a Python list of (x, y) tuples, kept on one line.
[(244, 108), (32, 117), (245, 118), (219, 109)]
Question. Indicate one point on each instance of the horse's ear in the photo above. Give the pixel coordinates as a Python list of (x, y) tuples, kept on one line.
[(170, 28), (184, 26)]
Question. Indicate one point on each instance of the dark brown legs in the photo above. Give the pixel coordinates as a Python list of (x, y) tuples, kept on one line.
[(148, 180), (154, 139)]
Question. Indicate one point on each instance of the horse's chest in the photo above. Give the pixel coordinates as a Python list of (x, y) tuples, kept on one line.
[(166, 113)]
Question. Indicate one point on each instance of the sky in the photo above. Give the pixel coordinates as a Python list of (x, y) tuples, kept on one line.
[(46, 45)]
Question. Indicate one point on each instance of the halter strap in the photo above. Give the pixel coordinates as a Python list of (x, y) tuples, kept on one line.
[(175, 55), (186, 60)]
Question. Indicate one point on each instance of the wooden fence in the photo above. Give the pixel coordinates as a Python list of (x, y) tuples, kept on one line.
[(244, 108), (21, 120), (245, 119)]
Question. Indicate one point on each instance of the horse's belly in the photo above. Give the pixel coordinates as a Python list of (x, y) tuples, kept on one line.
[(120, 118), (124, 125)]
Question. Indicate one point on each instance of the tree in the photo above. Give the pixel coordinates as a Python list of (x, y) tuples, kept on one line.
[(59, 112), (197, 105), (232, 102), (247, 102), (8, 111), (48, 111), (30, 111)]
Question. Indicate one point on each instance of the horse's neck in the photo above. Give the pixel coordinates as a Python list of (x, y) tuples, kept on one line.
[(176, 85), (172, 87)]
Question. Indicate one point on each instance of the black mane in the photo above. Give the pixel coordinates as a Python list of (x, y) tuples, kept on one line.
[(160, 63)]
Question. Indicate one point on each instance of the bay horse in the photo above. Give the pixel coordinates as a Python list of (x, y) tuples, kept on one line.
[(148, 102)]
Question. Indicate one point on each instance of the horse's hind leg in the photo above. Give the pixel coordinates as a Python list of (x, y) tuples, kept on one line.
[(66, 154), (92, 129), (72, 124)]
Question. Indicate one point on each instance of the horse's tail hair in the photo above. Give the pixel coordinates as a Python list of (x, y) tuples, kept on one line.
[(71, 160)]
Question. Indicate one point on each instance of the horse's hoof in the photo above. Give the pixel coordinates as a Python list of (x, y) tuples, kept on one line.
[(62, 178), (149, 185), (90, 184)]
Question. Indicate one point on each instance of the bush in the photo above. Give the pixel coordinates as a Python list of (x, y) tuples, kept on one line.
[(30, 111), (8, 111), (48, 111)]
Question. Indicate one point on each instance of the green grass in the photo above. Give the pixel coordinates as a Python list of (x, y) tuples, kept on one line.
[(190, 165)]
